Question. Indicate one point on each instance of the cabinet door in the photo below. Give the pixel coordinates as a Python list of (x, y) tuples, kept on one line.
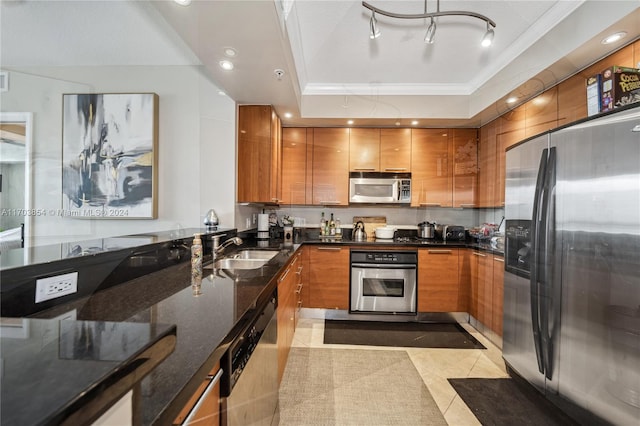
[(481, 287), (395, 150), (330, 166), (208, 398), (258, 154), (329, 277), (431, 167), (465, 167), (497, 294), (294, 165), (438, 280), (487, 166), (285, 314), (364, 149)]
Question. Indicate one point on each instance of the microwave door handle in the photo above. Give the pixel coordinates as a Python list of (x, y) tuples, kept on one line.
[(535, 250)]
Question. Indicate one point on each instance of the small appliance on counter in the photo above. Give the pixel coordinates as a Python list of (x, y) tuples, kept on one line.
[(450, 232), (427, 230), (263, 226)]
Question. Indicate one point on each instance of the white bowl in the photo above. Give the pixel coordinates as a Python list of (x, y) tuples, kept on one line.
[(385, 232)]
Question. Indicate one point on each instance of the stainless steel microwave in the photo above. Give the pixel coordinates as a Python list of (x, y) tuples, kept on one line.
[(380, 187)]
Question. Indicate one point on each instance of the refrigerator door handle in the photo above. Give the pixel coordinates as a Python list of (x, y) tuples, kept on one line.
[(535, 250), (548, 299)]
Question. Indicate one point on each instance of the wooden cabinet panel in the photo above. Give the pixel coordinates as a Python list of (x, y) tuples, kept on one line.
[(431, 168), (487, 188), (294, 165), (481, 287), (286, 315), (330, 166), (465, 167), (209, 411), (511, 128), (541, 112), (258, 154), (329, 277), (364, 149), (497, 294), (395, 150), (438, 280)]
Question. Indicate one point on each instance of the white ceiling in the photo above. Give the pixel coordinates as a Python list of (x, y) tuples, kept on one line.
[(333, 71)]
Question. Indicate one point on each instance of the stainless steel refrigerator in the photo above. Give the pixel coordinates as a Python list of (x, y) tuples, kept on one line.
[(572, 266)]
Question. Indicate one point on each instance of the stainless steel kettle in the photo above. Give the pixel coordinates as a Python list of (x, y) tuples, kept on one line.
[(427, 230), (359, 233)]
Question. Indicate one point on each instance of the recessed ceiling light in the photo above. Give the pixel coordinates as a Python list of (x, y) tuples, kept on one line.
[(226, 65), (288, 115), (350, 122), (230, 52), (183, 2), (614, 37), (511, 100), (221, 93), (414, 123)]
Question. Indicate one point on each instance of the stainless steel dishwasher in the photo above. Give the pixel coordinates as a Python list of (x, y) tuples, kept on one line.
[(252, 382)]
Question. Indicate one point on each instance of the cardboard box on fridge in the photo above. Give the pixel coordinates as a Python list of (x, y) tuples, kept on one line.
[(620, 86), (594, 94)]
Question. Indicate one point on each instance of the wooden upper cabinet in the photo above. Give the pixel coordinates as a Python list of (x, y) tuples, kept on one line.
[(487, 166), (431, 167), (395, 150), (511, 127), (294, 165), (364, 150), (465, 167), (541, 113), (258, 154), (330, 166)]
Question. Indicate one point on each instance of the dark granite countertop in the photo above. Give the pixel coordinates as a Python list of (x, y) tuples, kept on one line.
[(206, 320)]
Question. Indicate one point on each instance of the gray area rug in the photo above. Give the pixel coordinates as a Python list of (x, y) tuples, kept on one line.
[(354, 387)]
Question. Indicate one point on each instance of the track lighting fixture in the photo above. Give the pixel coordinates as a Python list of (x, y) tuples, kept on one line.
[(374, 32), (487, 40), (429, 36), (431, 32)]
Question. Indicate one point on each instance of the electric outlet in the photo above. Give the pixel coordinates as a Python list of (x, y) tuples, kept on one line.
[(58, 286)]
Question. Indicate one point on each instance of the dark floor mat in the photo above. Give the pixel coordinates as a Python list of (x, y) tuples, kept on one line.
[(402, 334), (504, 402)]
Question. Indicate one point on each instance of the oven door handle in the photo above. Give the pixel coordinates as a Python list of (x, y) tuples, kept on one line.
[(382, 266)]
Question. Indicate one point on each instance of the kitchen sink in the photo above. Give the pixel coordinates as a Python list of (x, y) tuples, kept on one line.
[(231, 263), (255, 254)]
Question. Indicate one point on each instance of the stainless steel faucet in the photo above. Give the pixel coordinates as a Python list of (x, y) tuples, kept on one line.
[(218, 248)]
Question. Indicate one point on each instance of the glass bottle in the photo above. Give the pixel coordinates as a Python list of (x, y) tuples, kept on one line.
[(332, 226), (323, 224)]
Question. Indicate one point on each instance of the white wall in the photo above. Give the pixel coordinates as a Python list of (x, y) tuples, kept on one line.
[(196, 149)]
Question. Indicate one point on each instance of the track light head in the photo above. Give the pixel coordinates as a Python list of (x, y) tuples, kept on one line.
[(487, 40), (374, 32), (431, 32)]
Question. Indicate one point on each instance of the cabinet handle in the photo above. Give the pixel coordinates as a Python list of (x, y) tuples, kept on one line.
[(498, 259), (293, 262), (275, 200), (475, 253), (395, 169), (214, 380), (330, 248), (283, 276), (431, 204), (364, 169), (439, 251), (467, 205), (329, 202)]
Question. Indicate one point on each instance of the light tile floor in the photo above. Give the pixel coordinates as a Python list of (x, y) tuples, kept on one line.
[(434, 365)]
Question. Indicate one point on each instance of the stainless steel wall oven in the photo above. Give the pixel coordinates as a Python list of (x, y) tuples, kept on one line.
[(383, 282)]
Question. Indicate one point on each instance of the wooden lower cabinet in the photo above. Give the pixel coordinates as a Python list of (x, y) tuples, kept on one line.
[(208, 412), (329, 277), (286, 312), (486, 277), (439, 281)]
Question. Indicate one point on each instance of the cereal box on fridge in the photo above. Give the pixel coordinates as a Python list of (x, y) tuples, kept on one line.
[(620, 86)]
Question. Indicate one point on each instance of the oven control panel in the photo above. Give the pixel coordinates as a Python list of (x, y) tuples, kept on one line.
[(384, 257)]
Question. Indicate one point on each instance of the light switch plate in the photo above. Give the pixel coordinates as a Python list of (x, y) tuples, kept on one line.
[(57, 286)]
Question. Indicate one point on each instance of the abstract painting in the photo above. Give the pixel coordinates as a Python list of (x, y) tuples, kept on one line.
[(109, 152)]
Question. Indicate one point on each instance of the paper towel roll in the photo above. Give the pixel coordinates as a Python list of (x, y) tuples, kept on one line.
[(263, 222)]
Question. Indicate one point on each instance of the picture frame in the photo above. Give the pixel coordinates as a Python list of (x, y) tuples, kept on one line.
[(109, 155)]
